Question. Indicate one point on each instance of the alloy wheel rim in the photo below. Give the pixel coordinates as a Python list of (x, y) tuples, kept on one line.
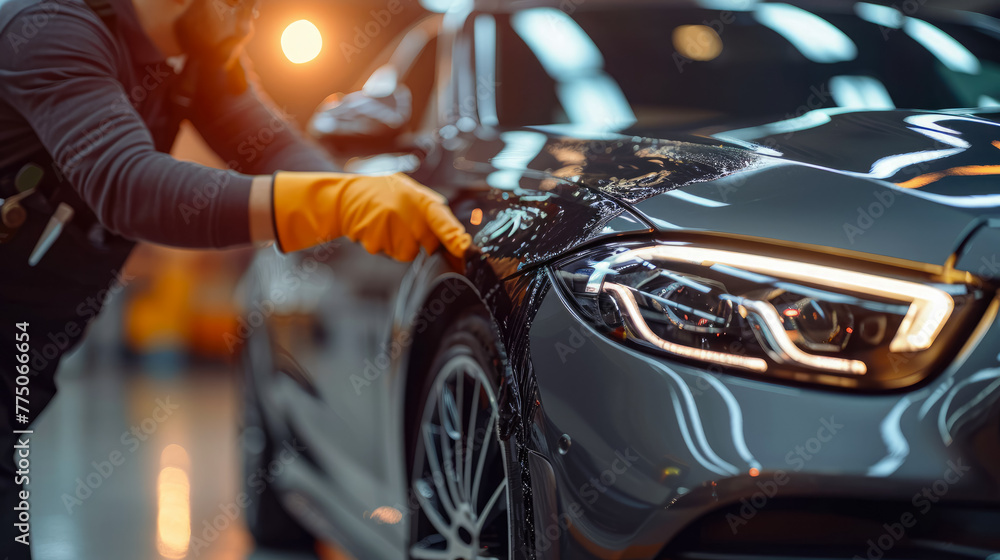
[(462, 495)]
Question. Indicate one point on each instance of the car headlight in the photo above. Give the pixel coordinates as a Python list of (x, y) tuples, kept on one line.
[(862, 326)]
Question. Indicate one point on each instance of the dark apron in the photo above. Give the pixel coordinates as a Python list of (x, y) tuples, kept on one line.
[(57, 299), (84, 258)]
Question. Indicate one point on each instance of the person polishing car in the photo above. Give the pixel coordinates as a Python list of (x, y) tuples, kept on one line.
[(89, 108)]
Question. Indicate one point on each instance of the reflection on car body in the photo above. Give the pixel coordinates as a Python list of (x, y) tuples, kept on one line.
[(743, 248)]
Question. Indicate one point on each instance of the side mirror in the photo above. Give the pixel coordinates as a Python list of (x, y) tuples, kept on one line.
[(366, 120)]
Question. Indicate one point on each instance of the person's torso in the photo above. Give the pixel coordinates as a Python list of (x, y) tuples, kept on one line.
[(85, 257)]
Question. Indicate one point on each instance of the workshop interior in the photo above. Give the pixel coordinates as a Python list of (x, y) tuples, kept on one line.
[(500, 279)]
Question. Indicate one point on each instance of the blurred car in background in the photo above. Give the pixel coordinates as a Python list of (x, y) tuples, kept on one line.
[(734, 294)]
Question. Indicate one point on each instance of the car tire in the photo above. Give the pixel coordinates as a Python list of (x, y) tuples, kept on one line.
[(269, 523), (469, 511)]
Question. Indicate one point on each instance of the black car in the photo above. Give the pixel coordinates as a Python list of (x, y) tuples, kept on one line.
[(733, 292)]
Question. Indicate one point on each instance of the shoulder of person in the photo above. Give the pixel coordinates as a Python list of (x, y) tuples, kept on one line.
[(29, 28)]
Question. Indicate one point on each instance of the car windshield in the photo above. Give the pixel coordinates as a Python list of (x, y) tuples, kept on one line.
[(660, 67)]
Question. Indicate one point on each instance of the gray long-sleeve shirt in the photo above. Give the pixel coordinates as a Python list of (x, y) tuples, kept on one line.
[(98, 102)]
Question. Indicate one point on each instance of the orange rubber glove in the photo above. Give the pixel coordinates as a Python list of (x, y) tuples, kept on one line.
[(392, 214)]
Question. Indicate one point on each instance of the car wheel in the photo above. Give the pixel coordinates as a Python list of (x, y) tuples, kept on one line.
[(459, 467), (268, 522)]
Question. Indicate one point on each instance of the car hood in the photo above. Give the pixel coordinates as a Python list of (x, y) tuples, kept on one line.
[(902, 184), (907, 185)]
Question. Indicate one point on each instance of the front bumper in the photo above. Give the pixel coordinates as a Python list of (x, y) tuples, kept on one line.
[(652, 445)]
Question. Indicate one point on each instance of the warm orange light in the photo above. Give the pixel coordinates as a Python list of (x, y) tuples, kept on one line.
[(174, 455), (965, 170), (301, 41), (791, 312), (754, 471), (928, 178), (387, 515), (697, 42), (669, 471), (477, 217), (173, 515)]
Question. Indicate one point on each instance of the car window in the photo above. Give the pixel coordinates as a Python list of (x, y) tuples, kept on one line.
[(526, 94), (420, 79), (679, 66), (550, 72)]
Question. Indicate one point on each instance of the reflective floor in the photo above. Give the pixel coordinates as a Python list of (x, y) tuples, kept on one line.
[(141, 458), (99, 489), (135, 464)]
